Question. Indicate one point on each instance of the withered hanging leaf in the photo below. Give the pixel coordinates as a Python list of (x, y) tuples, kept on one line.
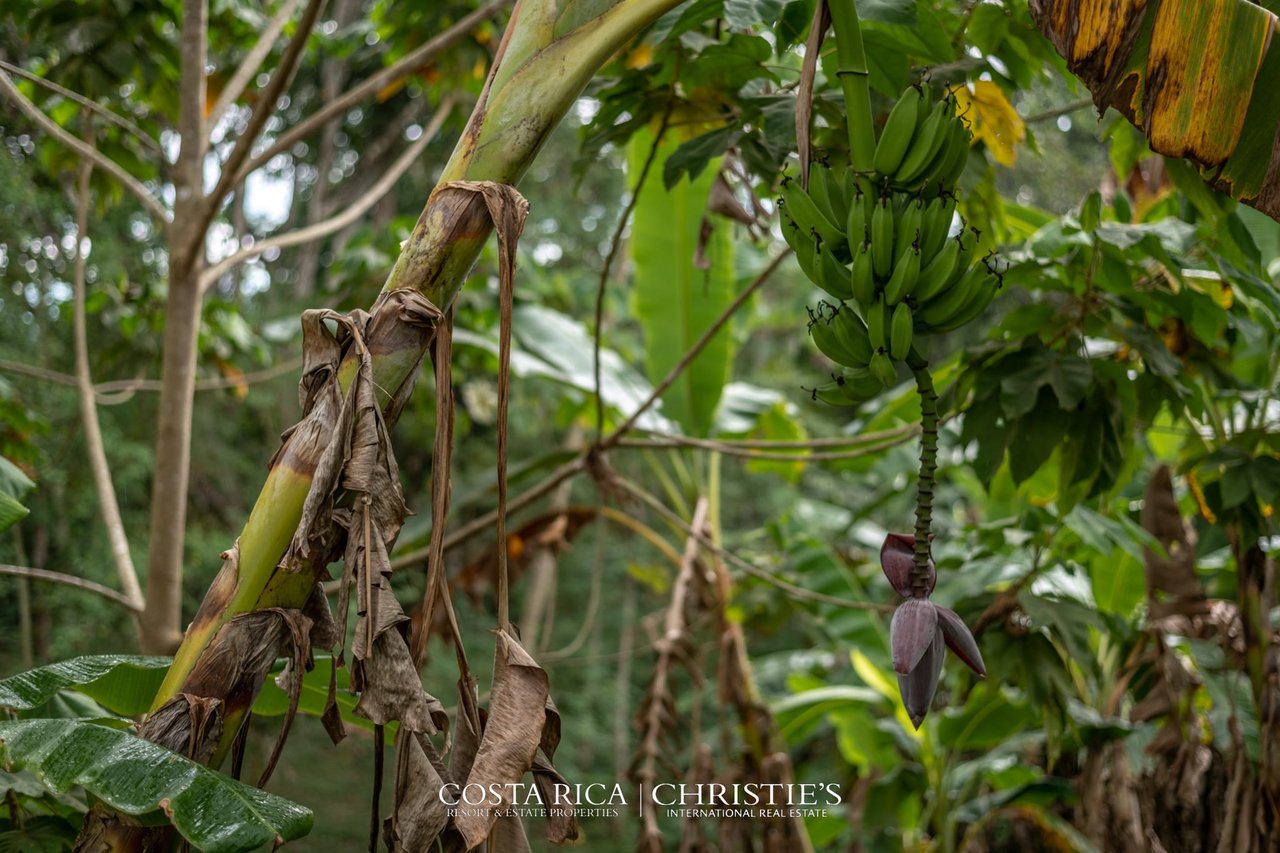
[(517, 717), (508, 836), (804, 95), (553, 788), (420, 816)]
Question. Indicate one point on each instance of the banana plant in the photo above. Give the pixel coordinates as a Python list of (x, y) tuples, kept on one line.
[(1201, 78), (548, 54)]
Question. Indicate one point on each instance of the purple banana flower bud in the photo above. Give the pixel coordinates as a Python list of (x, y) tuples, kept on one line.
[(960, 640), (918, 634), (911, 633), (918, 686), (896, 557)]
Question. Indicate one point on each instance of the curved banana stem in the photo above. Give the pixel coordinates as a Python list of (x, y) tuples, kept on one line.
[(928, 467), (852, 71)]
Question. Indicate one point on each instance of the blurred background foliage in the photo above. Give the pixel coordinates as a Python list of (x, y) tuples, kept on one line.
[(1137, 332)]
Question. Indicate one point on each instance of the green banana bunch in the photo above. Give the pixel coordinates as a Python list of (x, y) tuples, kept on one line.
[(804, 211), (898, 267), (960, 301), (923, 144), (841, 336)]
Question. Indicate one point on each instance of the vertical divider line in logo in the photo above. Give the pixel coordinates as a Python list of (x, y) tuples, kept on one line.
[(641, 799)]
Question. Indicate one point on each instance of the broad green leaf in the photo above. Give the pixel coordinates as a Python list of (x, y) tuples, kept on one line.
[(125, 684), (776, 423), (13, 485), (1201, 78), (675, 300), (13, 482), (39, 834), (213, 812), (990, 716), (1119, 584), (1045, 792), (11, 512)]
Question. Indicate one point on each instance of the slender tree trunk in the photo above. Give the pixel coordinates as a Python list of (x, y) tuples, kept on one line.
[(108, 507), (161, 620)]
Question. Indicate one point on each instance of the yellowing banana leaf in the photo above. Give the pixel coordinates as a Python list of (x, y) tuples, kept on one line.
[(1201, 78), (684, 281)]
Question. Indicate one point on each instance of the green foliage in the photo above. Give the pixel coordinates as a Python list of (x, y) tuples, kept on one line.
[(14, 484), (1138, 325), (139, 778), (684, 280), (125, 684)]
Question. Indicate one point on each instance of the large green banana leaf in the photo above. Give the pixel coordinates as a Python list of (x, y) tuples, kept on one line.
[(214, 812), (674, 299), (1201, 78)]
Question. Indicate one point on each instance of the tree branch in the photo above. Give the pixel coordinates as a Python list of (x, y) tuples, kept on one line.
[(252, 61), (91, 105), (103, 390), (68, 580), (347, 216), (108, 506), (111, 167), (372, 84), (262, 110), (747, 453)]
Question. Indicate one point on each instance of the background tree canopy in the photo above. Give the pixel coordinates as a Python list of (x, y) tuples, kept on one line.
[(705, 596)]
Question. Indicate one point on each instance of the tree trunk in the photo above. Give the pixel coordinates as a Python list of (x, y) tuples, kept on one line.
[(161, 620)]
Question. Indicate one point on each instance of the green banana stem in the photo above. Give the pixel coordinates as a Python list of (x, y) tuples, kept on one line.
[(853, 73), (928, 468)]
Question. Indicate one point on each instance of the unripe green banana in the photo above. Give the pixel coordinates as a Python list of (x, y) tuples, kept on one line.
[(900, 332), (968, 252), (978, 302), (831, 393), (802, 243), (907, 229), (882, 368), (837, 194), (877, 329), (958, 150), (805, 213), (924, 147), (833, 276), (853, 336), (858, 224), (906, 272), (820, 329), (862, 280), (860, 384), (819, 191), (943, 308), (937, 225), (895, 138), (935, 274), (931, 176), (882, 228)]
